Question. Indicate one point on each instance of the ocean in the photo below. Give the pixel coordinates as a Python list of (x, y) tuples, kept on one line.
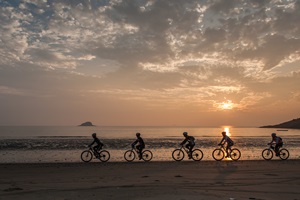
[(34, 144)]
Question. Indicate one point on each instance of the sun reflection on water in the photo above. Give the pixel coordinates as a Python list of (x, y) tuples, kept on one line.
[(226, 129)]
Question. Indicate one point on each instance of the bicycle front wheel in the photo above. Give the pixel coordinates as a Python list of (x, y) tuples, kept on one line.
[(267, 154), (104, 156), (129, 155), (197, 154), (86, 156), (147, 155), (218, 154), (235, 154), (284, 154), (178, 155)]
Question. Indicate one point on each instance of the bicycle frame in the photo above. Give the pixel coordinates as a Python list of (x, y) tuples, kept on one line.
[(195, 154), (272, 148), (233, 153), (185, 149), (145, 154), (267, 153), (89, 154), (137, 151), (222, 146), (93, 151)]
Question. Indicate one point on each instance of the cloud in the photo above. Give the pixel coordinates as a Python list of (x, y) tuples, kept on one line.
[(11, 91), (173, 52)]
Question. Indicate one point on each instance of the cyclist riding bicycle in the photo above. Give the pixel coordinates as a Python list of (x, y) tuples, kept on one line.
[(140, 146), (190, 140), (278, 143), (227, 140), (97, 147)]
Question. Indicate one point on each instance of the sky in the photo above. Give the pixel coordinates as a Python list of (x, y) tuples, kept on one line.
[(149, 62)]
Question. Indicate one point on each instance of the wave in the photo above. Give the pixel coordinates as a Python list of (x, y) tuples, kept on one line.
[(81, 142)]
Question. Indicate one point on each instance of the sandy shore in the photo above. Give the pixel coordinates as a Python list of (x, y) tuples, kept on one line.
[(154, 180)]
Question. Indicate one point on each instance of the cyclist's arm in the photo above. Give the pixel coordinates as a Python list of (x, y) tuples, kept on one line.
[(92, 143), (184, 141), (134, 143), (272, 142), (222, 141), (100, 143)]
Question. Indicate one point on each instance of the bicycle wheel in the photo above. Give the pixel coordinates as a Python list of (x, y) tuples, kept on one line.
[(129, 155), (218, 154), (178, 155), (197, 154), (86, 156), (235, 154), (284, 154), (267, 154), (104, 155), (147, 155)]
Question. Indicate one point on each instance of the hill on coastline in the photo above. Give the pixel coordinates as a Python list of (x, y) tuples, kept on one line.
[(293, 124), (86, 124)]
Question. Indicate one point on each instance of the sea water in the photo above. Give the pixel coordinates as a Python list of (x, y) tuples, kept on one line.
[(32, 144)]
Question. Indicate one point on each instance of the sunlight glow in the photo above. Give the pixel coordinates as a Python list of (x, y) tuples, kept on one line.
[(226, 105), (226, 129)]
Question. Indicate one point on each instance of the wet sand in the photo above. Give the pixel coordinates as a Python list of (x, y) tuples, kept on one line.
[(154, 180)]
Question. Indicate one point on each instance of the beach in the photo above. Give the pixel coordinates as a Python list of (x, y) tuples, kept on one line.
[(154, 180)]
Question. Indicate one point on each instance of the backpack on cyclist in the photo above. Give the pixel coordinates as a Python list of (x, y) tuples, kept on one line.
[(191, 138)]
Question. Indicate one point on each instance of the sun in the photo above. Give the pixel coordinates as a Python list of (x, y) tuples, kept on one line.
[(226, 105)]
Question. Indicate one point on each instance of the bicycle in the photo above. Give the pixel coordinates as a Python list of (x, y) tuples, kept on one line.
[(87, 155), (219, 153), (267, 154), (130, 155), (178, 154)]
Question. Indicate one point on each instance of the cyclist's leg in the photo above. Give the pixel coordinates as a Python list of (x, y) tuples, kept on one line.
[(192, 144), (228, 147), (277, 147), (139, 151), (188, 146), (96, 150)]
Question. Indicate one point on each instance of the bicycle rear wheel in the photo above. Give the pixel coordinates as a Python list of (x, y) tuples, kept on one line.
[(86, 156), (129, 155), (178, 154), (267, 154), (284, 154), (197, 154), (218, 154), (147, 155), (235, 154), (104, 156)]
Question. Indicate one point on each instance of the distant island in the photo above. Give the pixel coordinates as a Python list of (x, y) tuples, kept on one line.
[(293, 124), (86, 124)]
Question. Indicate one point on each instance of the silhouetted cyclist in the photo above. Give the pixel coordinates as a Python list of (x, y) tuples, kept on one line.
[(227, 140), (97, 147), (190, 140), (140, 146), (278, 143)]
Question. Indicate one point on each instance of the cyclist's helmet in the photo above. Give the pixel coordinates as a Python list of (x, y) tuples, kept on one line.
[(273, 134), (223, 133), (185, 134), (94, 135), (138, 134)]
